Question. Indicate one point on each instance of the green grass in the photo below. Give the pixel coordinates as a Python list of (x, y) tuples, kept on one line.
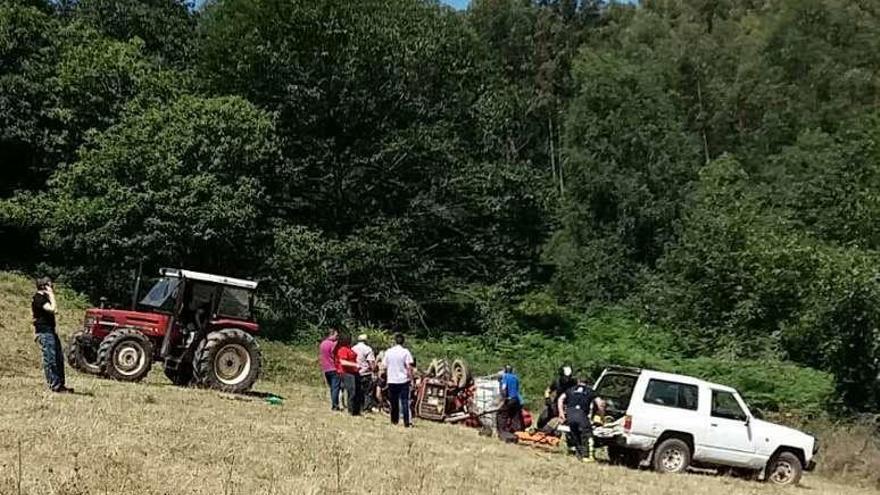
[(154, 438)]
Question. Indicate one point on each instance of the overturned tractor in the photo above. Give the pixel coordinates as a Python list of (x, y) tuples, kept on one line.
[(445, 392), (200, 326)]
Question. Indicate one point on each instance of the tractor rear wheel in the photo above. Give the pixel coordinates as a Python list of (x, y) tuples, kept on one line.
[(461, 375), (82, 354), (228, 360), (126, 355), (439, 368)]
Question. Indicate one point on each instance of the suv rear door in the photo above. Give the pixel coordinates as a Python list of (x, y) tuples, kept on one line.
[(667, 405), (728, 438)]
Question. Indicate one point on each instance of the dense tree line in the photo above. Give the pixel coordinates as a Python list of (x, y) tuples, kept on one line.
[(712, 165)]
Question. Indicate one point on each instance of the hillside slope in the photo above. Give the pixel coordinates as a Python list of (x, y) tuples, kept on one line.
[(154, 438)]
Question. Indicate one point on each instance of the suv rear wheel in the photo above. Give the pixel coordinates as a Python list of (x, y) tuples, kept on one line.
[(228, 360), (672, 456), (125, 355), (785, 468)]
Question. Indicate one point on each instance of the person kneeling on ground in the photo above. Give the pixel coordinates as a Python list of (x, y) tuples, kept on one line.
[(347, 369), (509, 417), (574, 406), (44, 309), (563, 381)]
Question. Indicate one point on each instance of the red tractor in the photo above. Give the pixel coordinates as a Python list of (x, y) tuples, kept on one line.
[(200, 326)]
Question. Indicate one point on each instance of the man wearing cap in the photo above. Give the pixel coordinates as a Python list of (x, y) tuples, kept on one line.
[(366, 361)]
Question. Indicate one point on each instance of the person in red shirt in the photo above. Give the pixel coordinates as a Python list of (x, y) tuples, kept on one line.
[(347, 369)]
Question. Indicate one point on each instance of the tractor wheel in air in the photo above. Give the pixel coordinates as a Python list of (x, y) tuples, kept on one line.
[(183, 376), (672, 456), (125, 355), (228, 360), (82, 355), (439, 368), (461, 375), (784, 469)]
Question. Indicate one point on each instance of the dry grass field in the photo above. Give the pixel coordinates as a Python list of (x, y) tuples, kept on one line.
[(154, 438)]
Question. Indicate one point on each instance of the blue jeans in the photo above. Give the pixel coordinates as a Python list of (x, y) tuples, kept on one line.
[(53, 358), (398, 395), (333, 382)]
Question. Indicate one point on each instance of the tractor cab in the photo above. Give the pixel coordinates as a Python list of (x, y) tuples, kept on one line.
[(196, 301), (201, 326)]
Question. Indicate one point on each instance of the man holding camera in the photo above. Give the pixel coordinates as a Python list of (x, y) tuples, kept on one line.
[(44, 309)]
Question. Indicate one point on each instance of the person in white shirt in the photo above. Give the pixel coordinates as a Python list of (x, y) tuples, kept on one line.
[(399, 369), (366, 362)]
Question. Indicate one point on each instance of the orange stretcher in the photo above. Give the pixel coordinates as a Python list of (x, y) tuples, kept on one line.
[(538, 439)]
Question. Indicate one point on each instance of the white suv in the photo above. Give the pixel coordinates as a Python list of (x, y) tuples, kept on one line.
[(672, 422)]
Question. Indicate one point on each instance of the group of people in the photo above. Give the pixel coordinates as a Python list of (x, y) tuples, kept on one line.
[(366, 378)]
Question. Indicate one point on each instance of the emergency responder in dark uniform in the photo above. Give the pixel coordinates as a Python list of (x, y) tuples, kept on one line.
[(574, 410), (563, 381)]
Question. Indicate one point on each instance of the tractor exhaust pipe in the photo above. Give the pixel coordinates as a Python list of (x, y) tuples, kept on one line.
[(137, 286)]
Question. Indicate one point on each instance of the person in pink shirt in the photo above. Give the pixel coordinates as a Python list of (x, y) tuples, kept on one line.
[(328, 366)]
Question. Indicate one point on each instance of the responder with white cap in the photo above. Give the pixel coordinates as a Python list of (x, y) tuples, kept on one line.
[(563, 381)]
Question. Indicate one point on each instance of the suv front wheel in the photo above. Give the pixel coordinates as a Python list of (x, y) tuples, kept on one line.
[(672, 456), (785, 468)]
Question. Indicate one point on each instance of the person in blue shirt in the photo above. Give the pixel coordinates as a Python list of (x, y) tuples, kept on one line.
[(509, 416)]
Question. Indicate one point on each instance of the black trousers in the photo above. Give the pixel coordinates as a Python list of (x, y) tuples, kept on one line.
[(509, 418), (398, 396), (581, 431), (352, 384), (549, 412), (367, 392)]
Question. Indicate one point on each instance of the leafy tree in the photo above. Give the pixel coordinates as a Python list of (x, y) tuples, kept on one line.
[(166, 27), (630, 166), (182, 184), (388, 129)]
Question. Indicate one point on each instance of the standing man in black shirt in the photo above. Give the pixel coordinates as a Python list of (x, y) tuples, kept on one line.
[(44, 308), (574, 409)]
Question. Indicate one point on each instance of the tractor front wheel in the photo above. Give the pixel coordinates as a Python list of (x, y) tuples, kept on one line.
[(228, 360), (82, 354), (125, 355)]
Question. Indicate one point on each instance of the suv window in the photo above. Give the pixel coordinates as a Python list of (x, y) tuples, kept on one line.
[(672, 394), (617, 389), (724, 405)]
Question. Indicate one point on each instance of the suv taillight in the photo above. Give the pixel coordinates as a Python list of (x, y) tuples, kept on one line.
[(627, 423)]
